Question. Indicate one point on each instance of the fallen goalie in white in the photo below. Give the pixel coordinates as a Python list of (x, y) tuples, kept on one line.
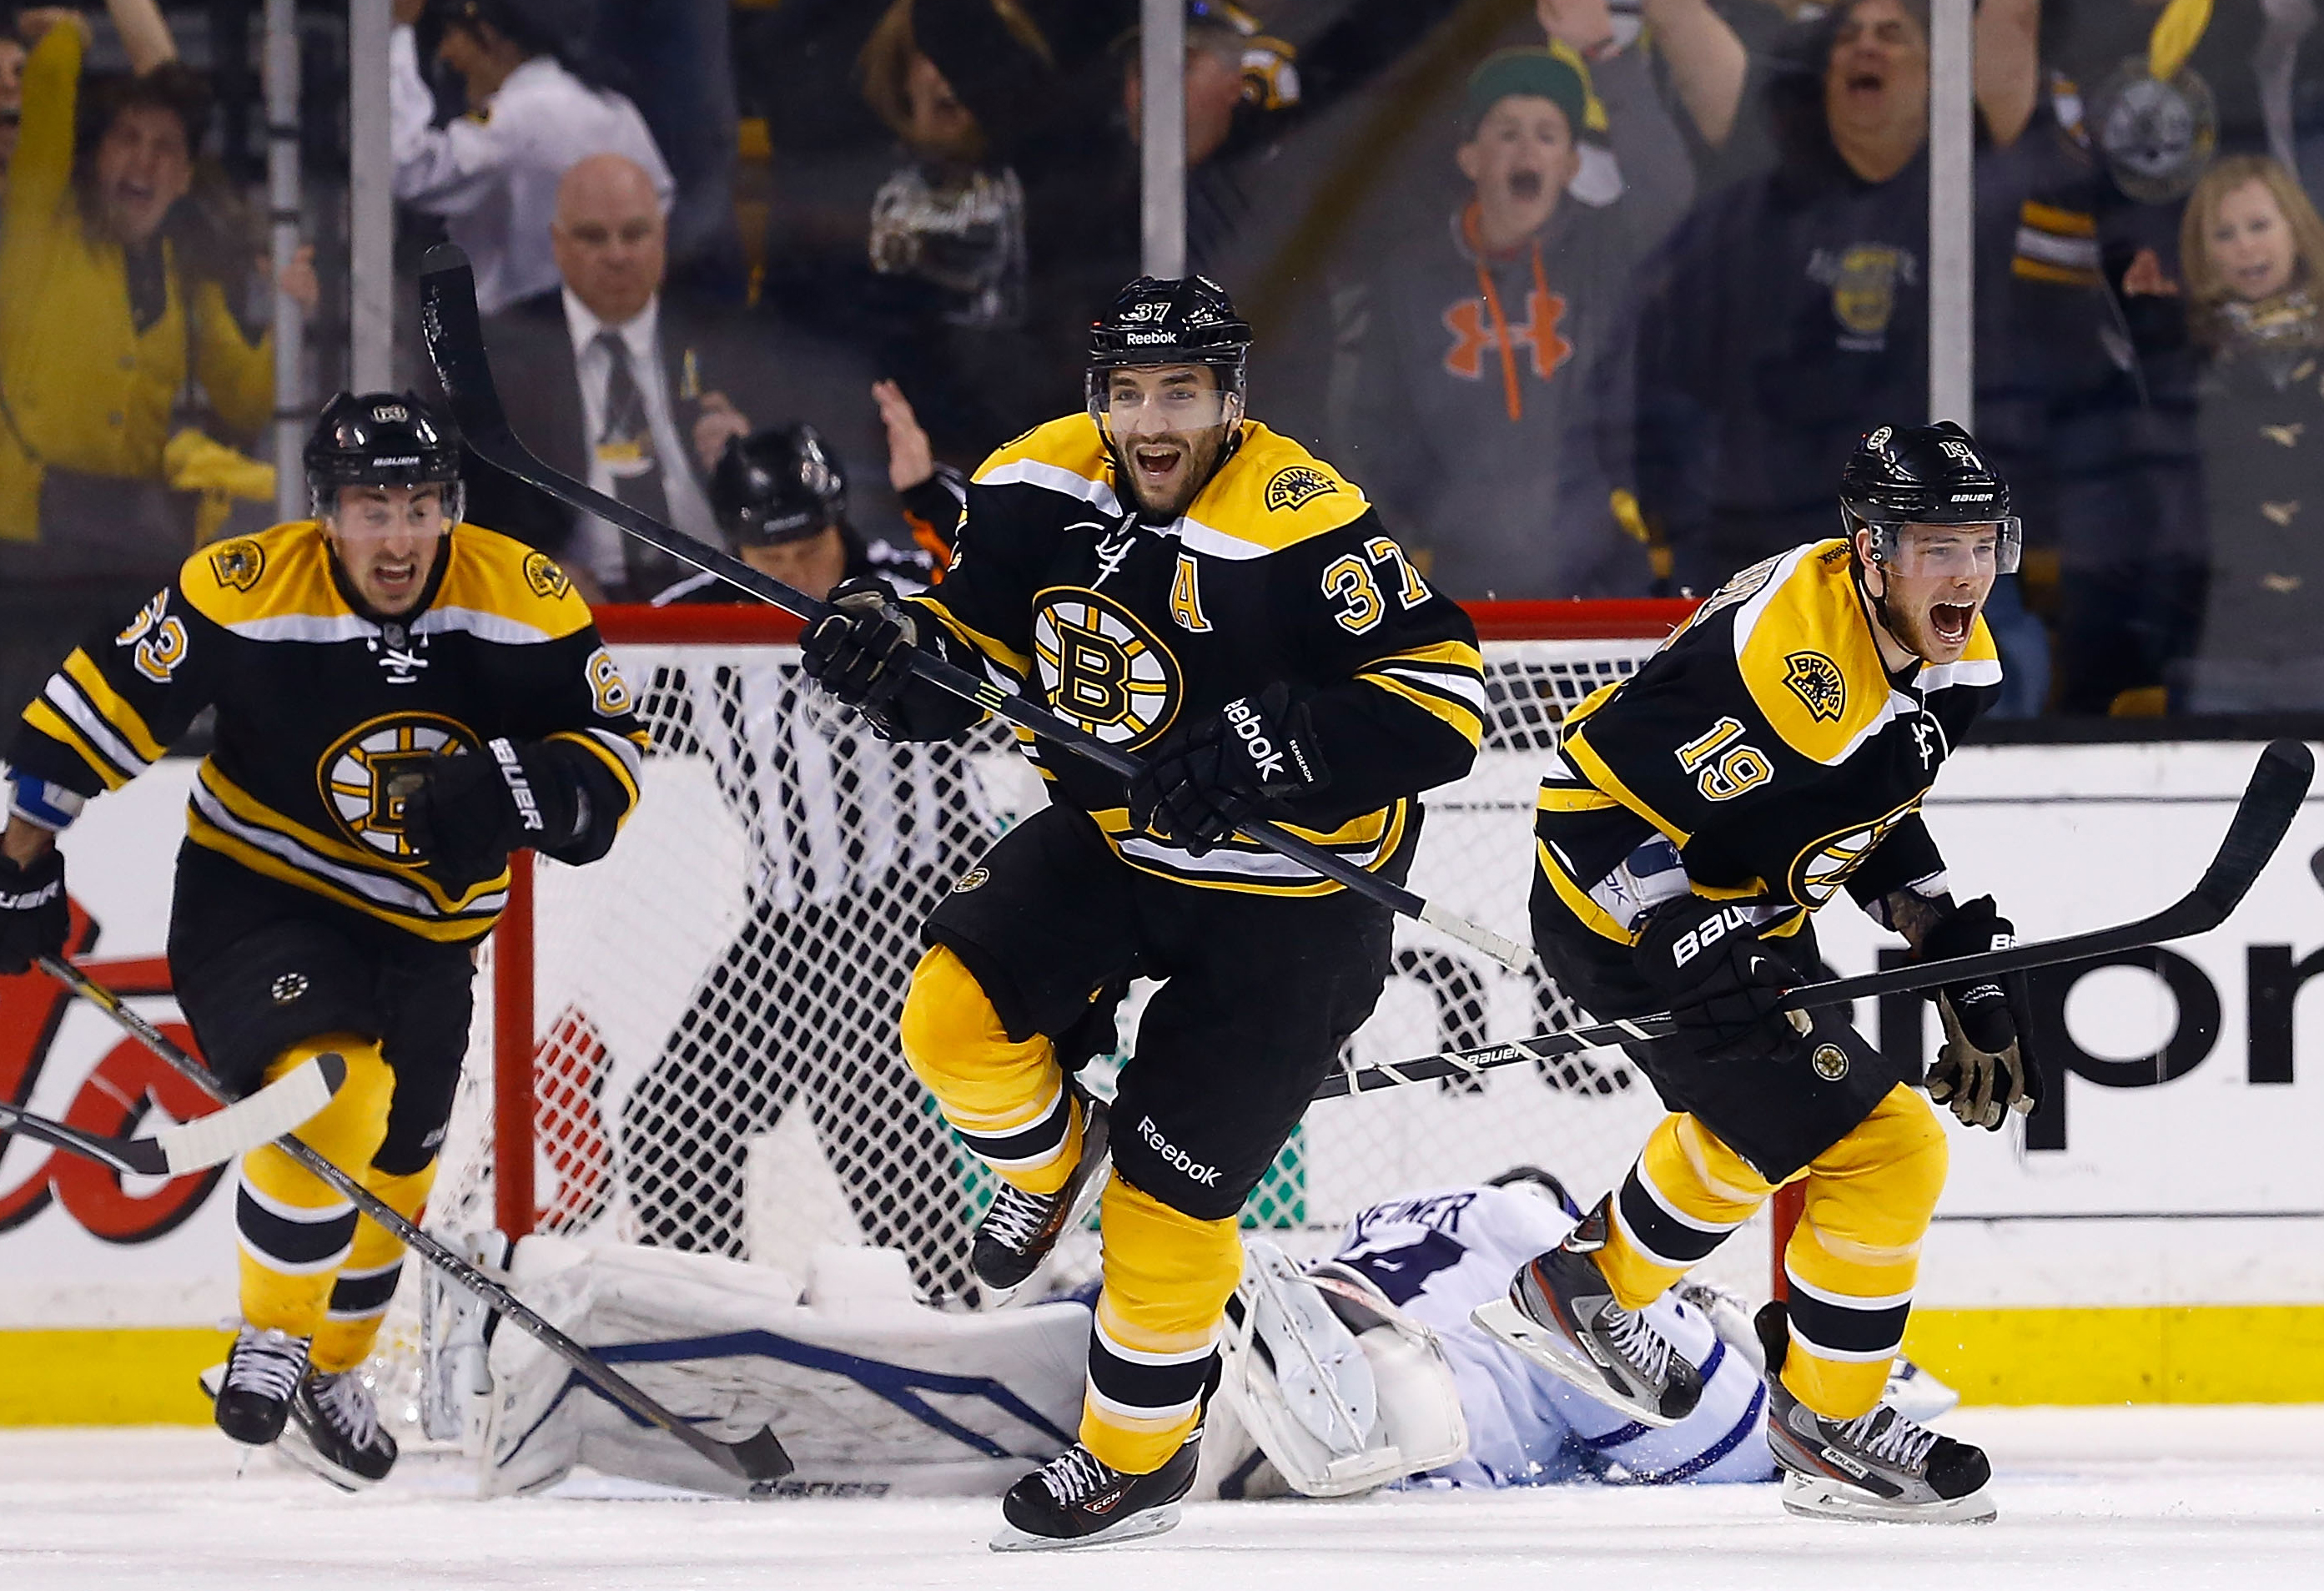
[(1363, 1371)]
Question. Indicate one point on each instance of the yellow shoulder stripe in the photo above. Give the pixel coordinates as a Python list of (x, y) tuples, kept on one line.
[(1273, 494), (604, 755), (1071, 444), (1807, 657), (499, 574), (282, 572)]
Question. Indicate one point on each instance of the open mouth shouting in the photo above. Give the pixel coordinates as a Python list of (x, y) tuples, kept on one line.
[(1157, 464), (1951, 620), (1526, 184)]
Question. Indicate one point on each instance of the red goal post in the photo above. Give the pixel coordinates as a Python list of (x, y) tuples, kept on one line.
[(1584, 1121)]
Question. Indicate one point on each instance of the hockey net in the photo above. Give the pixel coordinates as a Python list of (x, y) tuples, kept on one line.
[(691, 1043)]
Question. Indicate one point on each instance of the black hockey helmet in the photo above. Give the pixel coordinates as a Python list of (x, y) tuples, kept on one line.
[(1927, 474), (1171, 320), (782, 483), (381, 440)]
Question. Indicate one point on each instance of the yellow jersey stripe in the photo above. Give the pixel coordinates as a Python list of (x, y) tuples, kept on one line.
[(1575, 899), (442, 931), (582, 737), (1574, 798), (1014, 661), (1594, 769), (1456, 715), (126, 721), (45, 719), (250, 810)]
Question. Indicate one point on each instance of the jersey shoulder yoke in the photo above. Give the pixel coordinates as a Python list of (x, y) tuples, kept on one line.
[(500, 590), (280, 573), (1804, 646), (1273, 494), (1066, 454)]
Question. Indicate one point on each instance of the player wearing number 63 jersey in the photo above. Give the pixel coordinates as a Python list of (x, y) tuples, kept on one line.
[(1775, 751), (1188, 586), (401, 701)]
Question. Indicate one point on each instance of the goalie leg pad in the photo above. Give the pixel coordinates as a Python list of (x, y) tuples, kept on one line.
[(294, 1231), (1153, 1349), (366, 1282), (1855, 1256), (1005, 1098)]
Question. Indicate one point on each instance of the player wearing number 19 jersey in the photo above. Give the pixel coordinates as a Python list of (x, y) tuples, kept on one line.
[(1777, 750), (1192, 587)]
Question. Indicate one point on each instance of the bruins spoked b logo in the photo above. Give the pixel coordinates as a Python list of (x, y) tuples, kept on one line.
[(1102, 668), (359, 774)]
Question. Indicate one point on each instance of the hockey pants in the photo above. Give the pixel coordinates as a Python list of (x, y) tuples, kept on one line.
[(311, 1266), (1851, 1264), (1168, 1274)]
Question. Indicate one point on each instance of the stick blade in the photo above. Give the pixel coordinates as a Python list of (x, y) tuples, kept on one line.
[(762, 1461), (454, 334), (2278, 786), (284, 1106)]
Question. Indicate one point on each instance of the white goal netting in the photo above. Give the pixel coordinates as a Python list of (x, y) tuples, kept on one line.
[(714, 1002)]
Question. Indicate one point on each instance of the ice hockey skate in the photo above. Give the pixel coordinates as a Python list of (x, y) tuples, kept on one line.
[(1019, 1230), (1560, 1314), (256, 1386), (334, 1432), (1880, 1465), (1075, 1500)]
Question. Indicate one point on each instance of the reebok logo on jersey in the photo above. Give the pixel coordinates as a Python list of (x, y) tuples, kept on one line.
[(520, 789), (1177, 1159)]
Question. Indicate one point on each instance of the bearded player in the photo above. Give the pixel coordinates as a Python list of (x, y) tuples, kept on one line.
[(402, 700), (1776, 749), (1192, 587)]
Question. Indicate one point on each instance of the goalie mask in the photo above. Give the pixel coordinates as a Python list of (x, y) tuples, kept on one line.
[(1340, 1390), (381, 439), (1168, 367)]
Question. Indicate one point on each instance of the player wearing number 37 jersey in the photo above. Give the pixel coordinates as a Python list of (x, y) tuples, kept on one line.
[(1775, 751), (1188, 586)]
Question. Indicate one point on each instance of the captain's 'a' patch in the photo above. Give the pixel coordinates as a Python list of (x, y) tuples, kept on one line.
[(1817, 681)]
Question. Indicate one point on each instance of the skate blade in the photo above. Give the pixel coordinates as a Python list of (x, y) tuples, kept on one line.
[(1553, 1353), (1152, 1521), (294, 1449), (1817, 1497)]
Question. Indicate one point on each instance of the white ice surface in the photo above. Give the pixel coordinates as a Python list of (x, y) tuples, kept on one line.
[(2109, 1499)]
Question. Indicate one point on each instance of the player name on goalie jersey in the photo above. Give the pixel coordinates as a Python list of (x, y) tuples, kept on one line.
[(1279, 569), (321, 707), (1770, 745)]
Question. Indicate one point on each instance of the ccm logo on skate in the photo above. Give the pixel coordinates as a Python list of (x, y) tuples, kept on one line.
[(520, 789), (1177, 1159), (1697, 939)]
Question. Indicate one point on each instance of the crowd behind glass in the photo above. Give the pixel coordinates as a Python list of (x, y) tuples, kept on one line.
[(1590, 296)]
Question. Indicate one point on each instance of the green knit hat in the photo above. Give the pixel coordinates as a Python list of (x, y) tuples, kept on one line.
[(1539, 73)]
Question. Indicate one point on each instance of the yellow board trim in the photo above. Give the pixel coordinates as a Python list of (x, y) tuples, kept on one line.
[(2199, 1354), (140, 1375)]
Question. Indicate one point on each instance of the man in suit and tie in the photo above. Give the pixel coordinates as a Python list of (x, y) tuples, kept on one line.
[(634, 390)]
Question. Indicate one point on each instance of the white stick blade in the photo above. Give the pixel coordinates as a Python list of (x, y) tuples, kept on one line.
[(288, 1103)]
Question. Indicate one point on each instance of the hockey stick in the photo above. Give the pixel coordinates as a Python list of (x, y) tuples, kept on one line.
[(758, 1459), (456, 343), (2279, 783), (282, 1106)]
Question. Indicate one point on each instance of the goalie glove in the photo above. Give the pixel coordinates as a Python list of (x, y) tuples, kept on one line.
[(1723, 985), (863, 653), (33, 917), (463, 813), (1203, 783), (1983, 1072)]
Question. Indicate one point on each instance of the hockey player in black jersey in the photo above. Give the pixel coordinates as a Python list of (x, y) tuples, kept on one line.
[(1186, 584), (1775, 751), (401, 701)]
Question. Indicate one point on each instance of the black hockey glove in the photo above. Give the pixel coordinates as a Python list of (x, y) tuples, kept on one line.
[(1983, 1072), (33, 917), (861, 654), (1721, 983), (463, 813), (1205, 780)]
